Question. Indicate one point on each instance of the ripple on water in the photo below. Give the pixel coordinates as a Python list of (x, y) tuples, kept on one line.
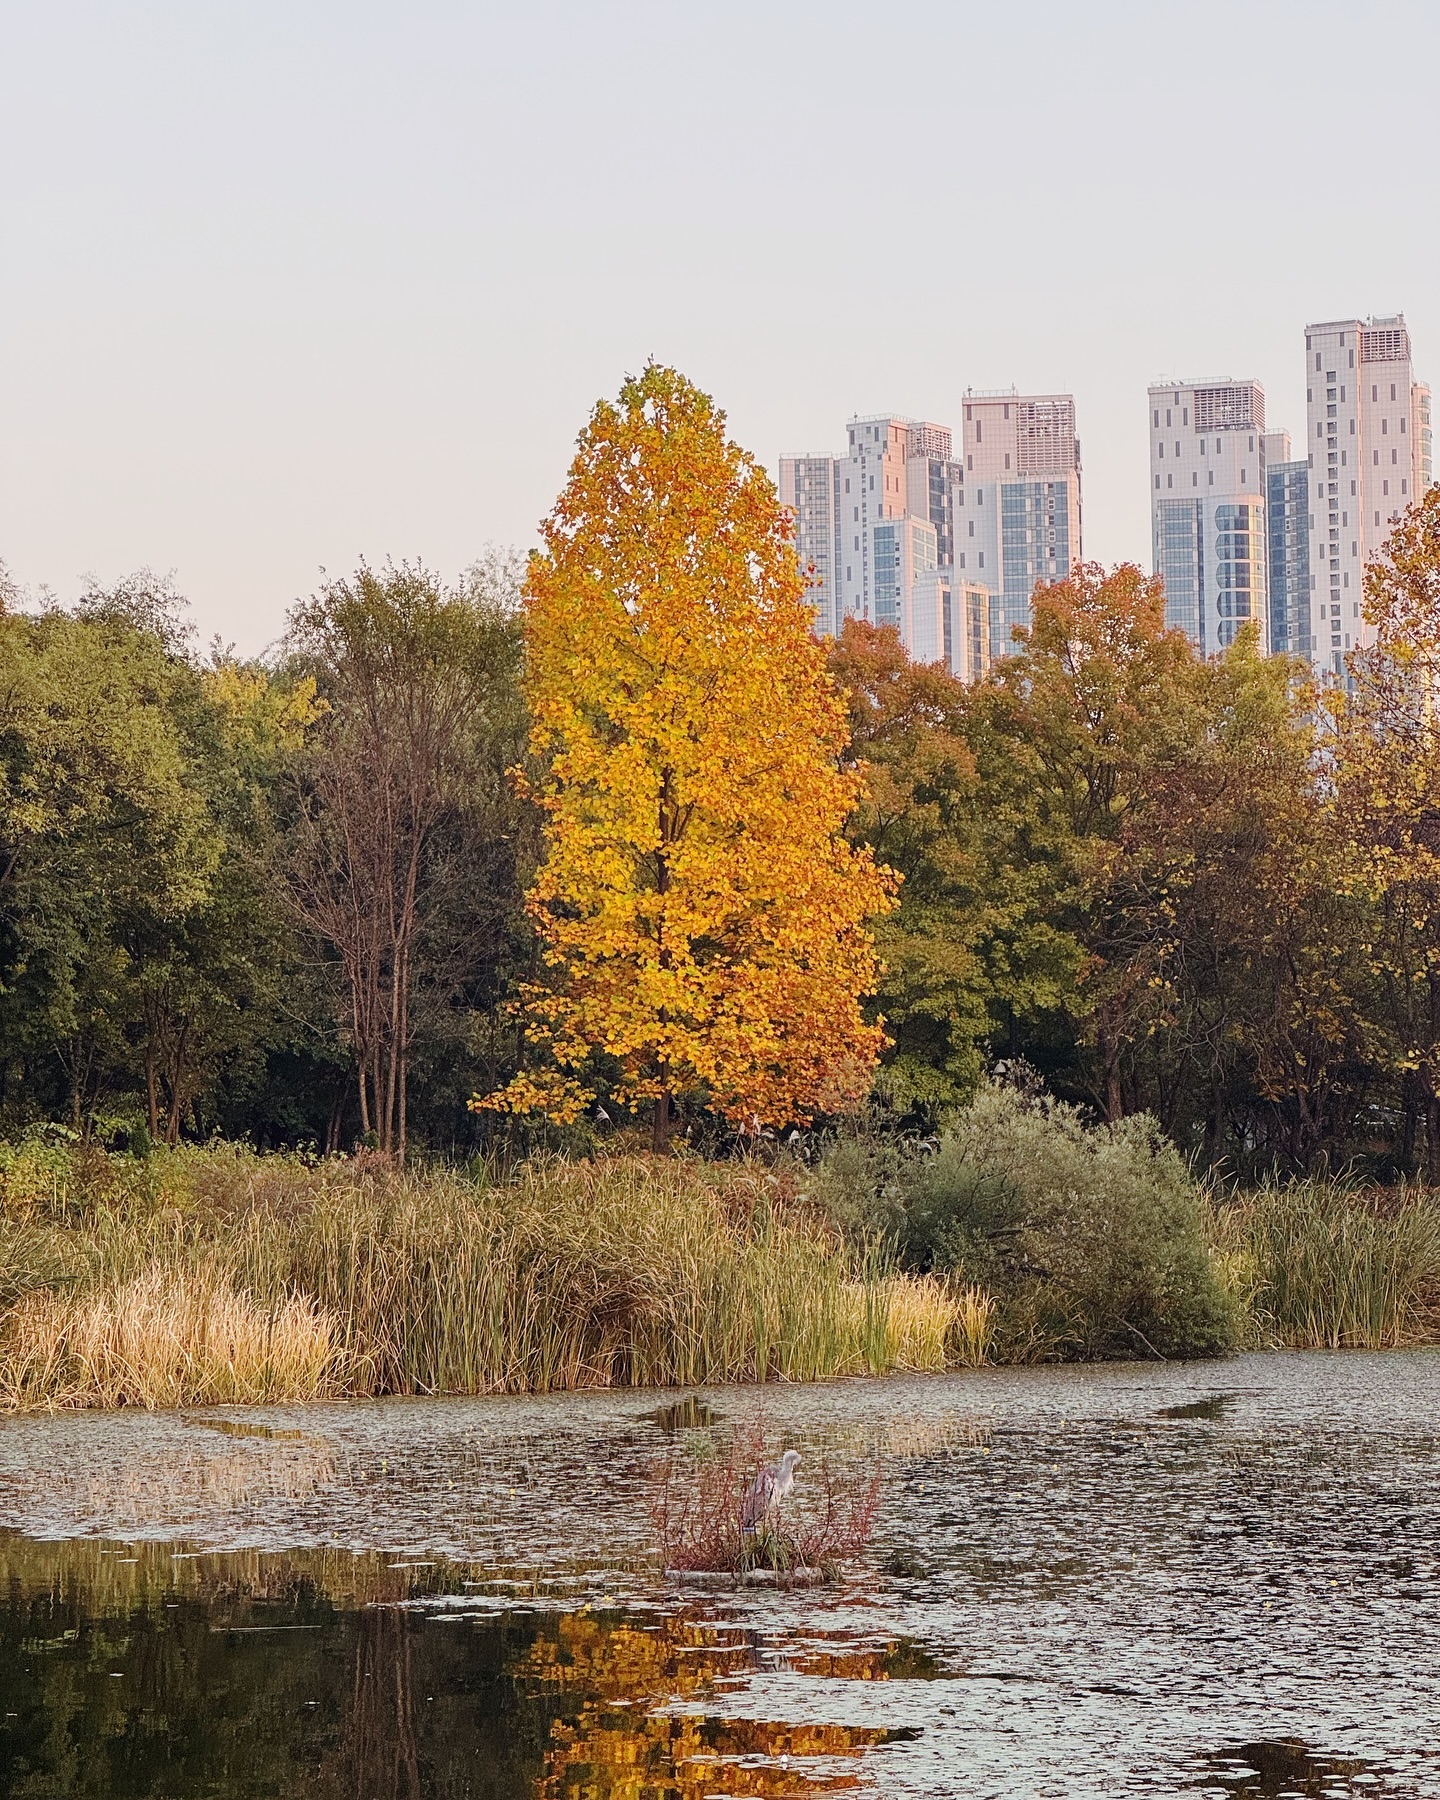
[(1083, 1580), (1285, 1769)]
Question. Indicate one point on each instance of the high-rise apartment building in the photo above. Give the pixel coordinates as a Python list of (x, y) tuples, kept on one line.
[(893, 469), (1287, 506), (967, 644), (928, 470), (1016, 501), (875, 526), (1369, 456), (897, 531), (903, 558), (1208, 494), (807, 487), (870, 487)]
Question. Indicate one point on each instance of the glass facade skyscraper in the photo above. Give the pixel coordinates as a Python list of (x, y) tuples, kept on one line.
[(1016, 501), (1208, 508), (876, 527), (1287, 500)]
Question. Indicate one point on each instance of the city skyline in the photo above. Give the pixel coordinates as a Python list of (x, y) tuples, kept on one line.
[(1243, 526), (286, 287)]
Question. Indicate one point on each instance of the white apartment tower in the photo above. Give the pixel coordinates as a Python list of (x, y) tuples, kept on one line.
[(889, 474), (1016, 503), (874, 527), (1369, 455), (1208, 493), (807, 487)]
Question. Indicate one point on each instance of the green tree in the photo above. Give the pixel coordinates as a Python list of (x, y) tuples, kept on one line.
[(1385, 743), (1097, 693), (918, 817), (100, 829), (408, 842)]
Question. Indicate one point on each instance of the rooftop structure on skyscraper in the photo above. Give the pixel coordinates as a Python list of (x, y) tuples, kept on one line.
[(1368, 451), (1016, 501), (1208, 507)]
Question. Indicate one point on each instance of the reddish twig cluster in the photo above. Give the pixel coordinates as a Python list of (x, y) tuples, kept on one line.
[(697, 1509)]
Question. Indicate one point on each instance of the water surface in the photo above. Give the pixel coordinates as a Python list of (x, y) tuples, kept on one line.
[(1139, 1579)]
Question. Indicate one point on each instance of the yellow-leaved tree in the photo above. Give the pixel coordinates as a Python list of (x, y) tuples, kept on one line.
[(702, 920), (1386, 764)]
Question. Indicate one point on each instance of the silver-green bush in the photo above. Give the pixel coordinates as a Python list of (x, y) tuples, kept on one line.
[(1090, 1238)]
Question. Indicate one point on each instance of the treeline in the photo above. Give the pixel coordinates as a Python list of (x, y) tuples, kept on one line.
[(1201, 889), (277, 901), (284, 900)]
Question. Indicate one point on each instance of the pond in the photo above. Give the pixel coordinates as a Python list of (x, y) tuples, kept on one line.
[(1158, 1579)]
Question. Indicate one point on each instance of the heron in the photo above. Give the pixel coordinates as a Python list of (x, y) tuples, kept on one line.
[(772, 1485)]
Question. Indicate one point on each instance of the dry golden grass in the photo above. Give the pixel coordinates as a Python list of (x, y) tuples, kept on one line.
[(973, 1331), (921, 1316), (166, 1337), (219, 1275)]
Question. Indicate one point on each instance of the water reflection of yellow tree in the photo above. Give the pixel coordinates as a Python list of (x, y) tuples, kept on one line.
[(619, 1747)]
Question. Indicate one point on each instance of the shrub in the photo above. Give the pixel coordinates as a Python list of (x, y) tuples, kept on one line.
[(697, 1509), (1090, 1238)]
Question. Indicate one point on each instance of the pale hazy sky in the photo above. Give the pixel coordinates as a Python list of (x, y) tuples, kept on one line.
[(287, 284)]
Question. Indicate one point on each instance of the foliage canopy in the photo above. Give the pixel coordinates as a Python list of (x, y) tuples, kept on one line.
[(702, 918)]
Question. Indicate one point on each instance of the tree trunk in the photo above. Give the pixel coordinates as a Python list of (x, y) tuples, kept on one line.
[(403, 1057), (333, 1124), (392, 1052), (1114, 1101), (1215, 1127), (362, 1077), (152, 1093), (1410, 1124), (660, 1124), (175, 1078)]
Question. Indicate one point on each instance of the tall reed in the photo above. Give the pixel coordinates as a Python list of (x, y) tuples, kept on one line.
[(165, 1337), (142, 1290), (1325, 1264)]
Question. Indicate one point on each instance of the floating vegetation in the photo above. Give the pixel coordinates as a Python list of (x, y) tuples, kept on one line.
[(1213, 1406), (713, 1516)]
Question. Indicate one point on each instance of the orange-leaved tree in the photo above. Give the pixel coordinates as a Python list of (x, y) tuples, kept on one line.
[(701, 917), (1387, 791)]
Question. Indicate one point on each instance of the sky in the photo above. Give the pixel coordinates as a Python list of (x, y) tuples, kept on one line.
[(288, 285)]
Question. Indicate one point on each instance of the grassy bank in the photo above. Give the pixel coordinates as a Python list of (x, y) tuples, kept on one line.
[(216, 1275), (1331, 1265)]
